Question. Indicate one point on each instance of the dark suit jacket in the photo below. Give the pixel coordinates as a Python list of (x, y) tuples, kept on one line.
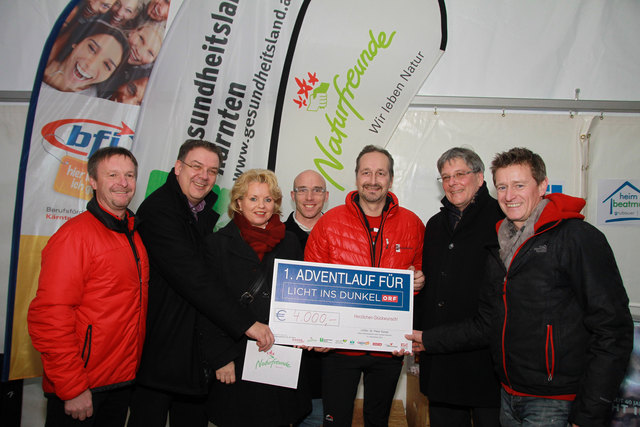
[(453, 262), (181, 287)]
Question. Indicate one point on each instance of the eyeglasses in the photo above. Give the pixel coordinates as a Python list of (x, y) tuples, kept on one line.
[(458, 176), (197, 168), (304, 190)]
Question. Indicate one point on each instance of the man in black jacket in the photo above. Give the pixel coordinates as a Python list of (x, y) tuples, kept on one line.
[(461, 386), (554, 309), (174, 221), (309, 195)]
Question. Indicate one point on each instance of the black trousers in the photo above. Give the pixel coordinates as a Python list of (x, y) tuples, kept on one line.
[(150, 407), (109, 410), (340, 379)]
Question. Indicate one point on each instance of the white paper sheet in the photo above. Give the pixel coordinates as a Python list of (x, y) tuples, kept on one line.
[(280, 365)]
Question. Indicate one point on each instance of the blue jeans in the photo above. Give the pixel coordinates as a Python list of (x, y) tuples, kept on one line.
[(314, 419), (533, 411)]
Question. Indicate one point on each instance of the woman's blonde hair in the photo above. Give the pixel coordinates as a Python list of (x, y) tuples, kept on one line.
[(241, 186)]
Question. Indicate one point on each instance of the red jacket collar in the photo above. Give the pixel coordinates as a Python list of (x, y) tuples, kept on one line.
[(560, 206), (352, 197)]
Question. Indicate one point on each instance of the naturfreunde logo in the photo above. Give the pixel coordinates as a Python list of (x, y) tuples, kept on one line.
[(271, 361), (318, 99), (313, 96)]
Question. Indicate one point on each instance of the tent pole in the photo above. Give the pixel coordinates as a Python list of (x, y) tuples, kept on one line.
[(458, 102), (532, 104)]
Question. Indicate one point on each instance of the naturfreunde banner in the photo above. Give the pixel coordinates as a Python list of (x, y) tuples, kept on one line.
[(90, 82), (356, 67), (217, 79)]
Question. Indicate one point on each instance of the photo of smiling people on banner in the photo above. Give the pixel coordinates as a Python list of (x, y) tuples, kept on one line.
[(92, 54), (99, 54)]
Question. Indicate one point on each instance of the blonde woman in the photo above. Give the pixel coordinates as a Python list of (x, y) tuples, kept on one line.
[(240, 254)]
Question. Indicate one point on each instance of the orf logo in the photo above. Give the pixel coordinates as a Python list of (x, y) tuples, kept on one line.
[(311, 93), (389, 298), (84, 136)]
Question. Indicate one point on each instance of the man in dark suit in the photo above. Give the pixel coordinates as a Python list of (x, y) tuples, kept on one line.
[(461, 386), (174, 221)]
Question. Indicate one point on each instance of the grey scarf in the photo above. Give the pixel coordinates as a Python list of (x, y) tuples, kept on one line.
[(510, 238)]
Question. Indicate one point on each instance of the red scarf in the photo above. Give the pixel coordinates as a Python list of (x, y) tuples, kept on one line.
[(262, 240)]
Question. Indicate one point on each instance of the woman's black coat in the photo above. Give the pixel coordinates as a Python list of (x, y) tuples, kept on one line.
[(247, 403)]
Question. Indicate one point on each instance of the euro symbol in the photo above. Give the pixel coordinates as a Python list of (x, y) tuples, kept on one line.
[(280, 315)]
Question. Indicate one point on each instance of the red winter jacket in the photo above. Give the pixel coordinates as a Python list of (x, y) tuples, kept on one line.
[(88, 317), (341, 237)]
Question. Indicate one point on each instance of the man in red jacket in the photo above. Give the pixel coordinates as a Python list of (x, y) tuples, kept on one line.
[(369, 230), (88, 317)]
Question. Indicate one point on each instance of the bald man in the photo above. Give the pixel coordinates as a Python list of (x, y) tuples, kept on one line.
[(310, 195)]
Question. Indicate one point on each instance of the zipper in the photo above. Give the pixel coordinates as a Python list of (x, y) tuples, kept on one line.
[(385, 215), (549, 353), (373, 244), (87, 345), (504, 328), (131, 239)]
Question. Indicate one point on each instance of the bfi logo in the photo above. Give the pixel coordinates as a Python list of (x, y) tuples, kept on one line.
[(81, 139), (84, 136)]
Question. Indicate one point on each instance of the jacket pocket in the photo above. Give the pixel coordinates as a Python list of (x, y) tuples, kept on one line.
[(86, 348), (549, 350)]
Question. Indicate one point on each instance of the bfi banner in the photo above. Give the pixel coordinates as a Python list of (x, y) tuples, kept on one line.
[(91, 80)]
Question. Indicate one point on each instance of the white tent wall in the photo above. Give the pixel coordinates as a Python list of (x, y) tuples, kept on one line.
[(12, 120), (24, 28), (614, 153), (542, 49)]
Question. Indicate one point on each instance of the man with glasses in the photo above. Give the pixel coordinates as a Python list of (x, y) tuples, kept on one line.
[(174, 222), (309, 195), (461, 386), (371, 230)]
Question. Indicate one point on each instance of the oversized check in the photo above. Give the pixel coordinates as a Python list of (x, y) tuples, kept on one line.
[(341, 306)]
